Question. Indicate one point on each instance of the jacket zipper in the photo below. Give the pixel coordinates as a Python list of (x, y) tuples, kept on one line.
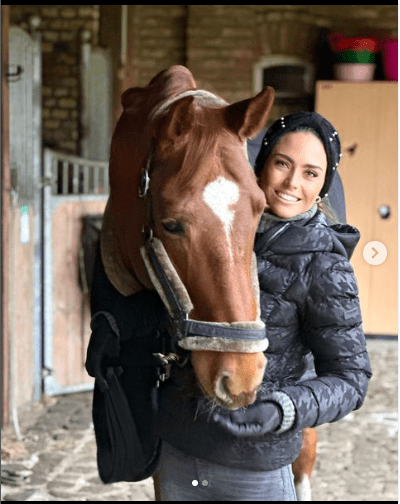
[(277, 233)]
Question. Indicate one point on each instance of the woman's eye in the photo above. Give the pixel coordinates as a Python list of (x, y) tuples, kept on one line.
[(173, 226), (312, 173), (281, 163)]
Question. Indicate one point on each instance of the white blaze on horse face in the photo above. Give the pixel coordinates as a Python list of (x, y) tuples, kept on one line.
[(220, 195)]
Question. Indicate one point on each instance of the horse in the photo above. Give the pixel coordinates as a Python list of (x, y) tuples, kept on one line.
[(184, 200)]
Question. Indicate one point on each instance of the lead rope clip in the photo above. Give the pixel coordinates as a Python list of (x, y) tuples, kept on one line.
[(166, 363)]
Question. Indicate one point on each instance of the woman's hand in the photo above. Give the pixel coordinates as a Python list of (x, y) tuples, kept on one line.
[(255, 420)]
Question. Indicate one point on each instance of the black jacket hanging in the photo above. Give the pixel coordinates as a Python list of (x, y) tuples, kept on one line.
[(125, 399)]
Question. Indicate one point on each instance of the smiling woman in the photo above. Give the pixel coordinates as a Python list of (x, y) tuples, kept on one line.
[(308, 290), (320, 128), (294, 174)]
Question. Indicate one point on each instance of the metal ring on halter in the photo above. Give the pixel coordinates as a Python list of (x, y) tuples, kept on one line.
[(144, 183), (147, 232), (144, 176)]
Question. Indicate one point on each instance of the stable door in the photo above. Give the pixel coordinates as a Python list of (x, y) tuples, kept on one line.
[(366, 117)]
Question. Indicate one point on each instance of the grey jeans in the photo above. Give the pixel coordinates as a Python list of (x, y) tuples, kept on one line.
[(184, 478)]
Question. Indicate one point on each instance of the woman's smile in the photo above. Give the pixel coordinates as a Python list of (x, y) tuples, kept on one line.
[(287, 197)]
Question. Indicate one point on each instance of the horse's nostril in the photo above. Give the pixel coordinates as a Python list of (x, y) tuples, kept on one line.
[(222, 389), (225, 384)]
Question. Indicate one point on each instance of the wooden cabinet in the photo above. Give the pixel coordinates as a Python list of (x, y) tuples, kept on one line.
[(366, 117)]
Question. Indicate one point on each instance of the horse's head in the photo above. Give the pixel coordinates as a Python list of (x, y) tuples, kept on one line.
[(203, 206)]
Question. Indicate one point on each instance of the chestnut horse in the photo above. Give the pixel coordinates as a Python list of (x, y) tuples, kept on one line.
[(184, 150)]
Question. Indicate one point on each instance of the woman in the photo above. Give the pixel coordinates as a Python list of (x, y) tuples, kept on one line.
[(309, 302)]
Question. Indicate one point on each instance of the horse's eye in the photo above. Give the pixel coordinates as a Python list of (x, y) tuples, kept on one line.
[(173, 226)]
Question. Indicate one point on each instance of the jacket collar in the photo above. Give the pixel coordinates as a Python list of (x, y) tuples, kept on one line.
[(307, 235), (269, 219)]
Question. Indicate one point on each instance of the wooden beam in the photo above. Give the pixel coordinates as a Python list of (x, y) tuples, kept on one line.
[(5, 221)]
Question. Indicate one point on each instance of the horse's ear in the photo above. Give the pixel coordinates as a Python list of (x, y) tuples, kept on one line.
[(131, 95), (179, 119), (248, 117)]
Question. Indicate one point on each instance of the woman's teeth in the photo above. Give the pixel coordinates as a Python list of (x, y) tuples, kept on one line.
[(287, 197)]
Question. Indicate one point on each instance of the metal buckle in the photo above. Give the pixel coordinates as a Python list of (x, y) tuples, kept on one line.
[(147, 232), (144, 183)]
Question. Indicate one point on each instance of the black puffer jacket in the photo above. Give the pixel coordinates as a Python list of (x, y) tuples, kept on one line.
[(309, 302)]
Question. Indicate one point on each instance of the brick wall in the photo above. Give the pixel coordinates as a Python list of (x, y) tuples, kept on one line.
[(225, 41), (219, 43), (222, 47), (222, 43), (156, 40)]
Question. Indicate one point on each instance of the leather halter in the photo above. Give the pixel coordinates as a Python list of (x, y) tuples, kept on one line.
[(181, 328), (180, 325)]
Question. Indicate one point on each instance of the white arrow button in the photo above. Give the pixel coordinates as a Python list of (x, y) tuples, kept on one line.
[(375, 253)]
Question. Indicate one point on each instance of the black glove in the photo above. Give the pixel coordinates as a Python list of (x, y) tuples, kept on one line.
[(274, 415), (261, 419), (103, 349)]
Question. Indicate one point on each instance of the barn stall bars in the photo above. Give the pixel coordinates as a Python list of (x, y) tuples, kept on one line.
[(75, 192)]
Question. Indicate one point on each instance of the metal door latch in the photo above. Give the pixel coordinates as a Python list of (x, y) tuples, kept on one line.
[(46, 371), (14, 76)]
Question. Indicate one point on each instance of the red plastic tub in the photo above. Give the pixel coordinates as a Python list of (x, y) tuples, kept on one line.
[(340, 43)]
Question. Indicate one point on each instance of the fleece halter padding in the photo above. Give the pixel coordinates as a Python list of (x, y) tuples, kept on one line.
[(245, 337)]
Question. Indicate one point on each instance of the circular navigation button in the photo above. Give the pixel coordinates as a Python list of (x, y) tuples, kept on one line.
[(375, 253)]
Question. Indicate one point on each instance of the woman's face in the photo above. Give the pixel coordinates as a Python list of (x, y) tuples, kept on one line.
[(294, 174)]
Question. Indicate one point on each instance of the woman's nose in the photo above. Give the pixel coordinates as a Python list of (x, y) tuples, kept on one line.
[(292, 180)]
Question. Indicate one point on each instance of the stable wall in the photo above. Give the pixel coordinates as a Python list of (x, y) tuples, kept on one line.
[(220, 44)]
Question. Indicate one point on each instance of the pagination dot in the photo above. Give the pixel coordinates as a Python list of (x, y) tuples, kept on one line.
[(204, 483), (195, 482)]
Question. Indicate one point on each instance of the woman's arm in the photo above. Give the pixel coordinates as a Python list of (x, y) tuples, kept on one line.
[(333, 332)]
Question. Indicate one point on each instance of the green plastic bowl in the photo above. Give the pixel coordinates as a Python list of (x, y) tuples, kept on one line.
[(356, 57)]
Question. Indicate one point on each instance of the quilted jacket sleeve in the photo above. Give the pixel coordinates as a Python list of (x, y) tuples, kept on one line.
[(333, 332)]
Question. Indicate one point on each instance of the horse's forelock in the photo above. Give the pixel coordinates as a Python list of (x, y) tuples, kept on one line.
[(201, 147), (209, 141), (201, 141)]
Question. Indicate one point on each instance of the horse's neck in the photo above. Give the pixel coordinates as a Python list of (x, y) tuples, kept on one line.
[(118, 274)]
